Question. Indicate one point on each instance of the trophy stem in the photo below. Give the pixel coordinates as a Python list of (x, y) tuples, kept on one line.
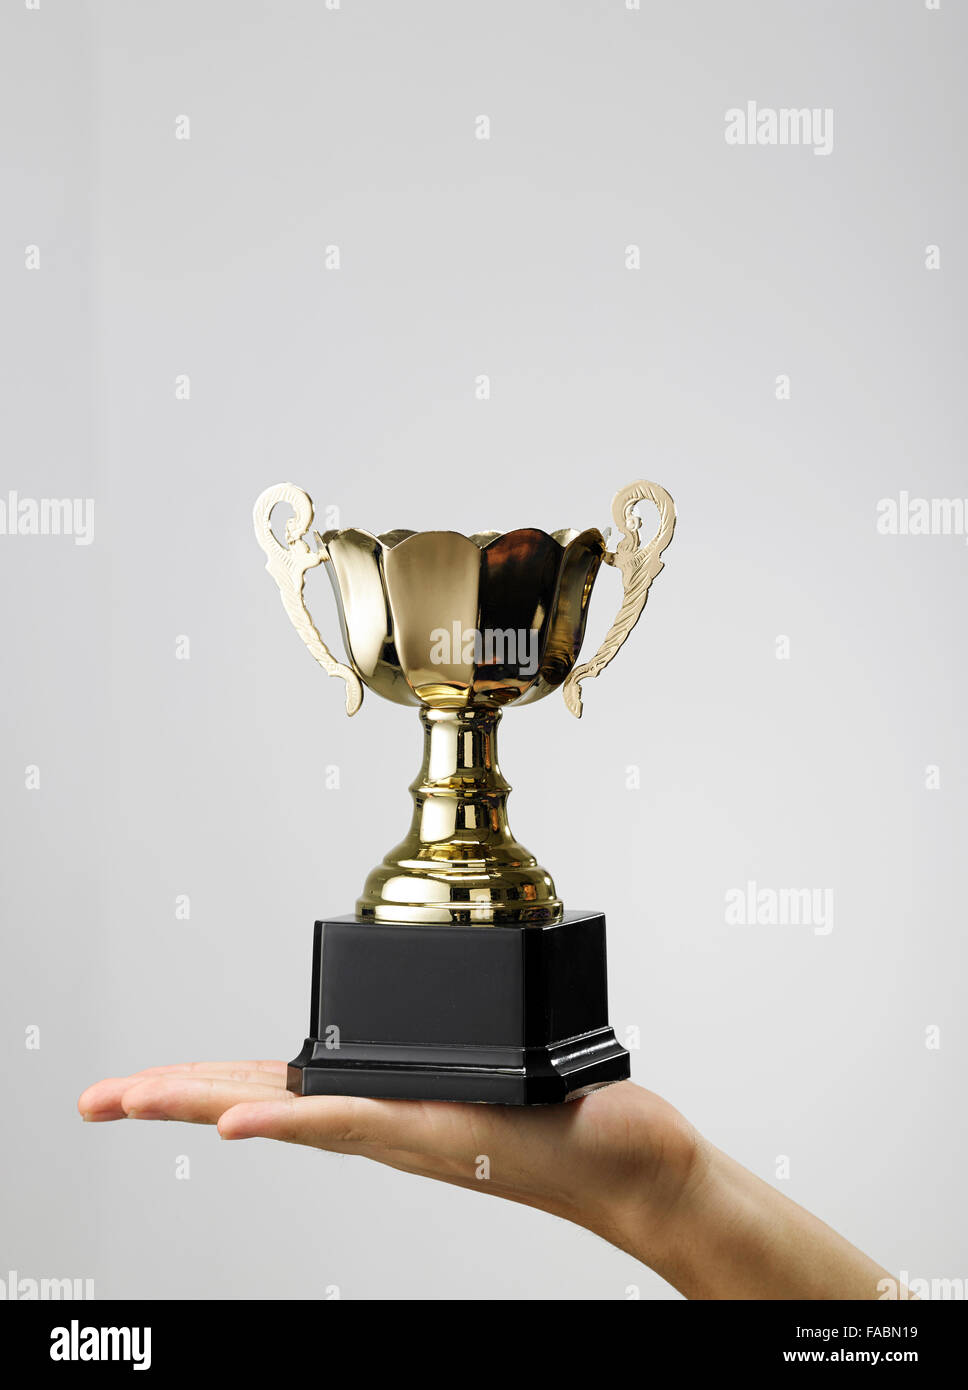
[(460, 863)]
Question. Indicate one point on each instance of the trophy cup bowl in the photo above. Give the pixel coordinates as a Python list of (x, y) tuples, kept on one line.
[(460, 627)]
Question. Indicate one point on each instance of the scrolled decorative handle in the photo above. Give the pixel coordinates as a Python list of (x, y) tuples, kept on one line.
[(639, 565), (288, 565)]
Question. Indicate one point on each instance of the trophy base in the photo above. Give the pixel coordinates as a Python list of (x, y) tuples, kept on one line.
[(503, 1015)]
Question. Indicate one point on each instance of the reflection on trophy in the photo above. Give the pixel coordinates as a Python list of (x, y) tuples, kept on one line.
[(461, 975)]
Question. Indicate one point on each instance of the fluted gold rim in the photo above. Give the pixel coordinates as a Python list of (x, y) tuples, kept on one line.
[(394, 591), (390, 540)]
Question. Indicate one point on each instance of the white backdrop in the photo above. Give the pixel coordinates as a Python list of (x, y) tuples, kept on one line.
[(178, 336)]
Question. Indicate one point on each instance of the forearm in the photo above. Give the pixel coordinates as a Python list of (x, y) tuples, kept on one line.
[(731, 1235)]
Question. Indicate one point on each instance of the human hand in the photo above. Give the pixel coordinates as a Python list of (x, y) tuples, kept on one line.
[(621, 1162), (617, 1160)]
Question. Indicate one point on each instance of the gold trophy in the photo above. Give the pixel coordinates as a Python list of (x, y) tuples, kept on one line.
[(461, 975)]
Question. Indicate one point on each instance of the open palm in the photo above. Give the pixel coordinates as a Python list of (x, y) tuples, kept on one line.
[(619, 1153)]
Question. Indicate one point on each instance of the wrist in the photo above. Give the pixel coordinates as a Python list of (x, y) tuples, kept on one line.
[(656, 1167), (733, 1236)]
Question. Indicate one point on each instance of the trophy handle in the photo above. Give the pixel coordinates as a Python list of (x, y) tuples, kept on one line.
[(288, 565), (639, 565)]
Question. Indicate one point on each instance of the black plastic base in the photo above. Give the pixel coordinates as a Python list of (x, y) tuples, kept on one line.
[(507, 1015)]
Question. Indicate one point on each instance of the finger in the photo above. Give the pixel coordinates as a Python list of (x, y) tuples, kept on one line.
[(324, 1122), (194, 1099), (266, 1070), (349, 1124), (102, 1101)]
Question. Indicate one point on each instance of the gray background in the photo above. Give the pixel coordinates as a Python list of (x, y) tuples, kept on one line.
[(205, 777)]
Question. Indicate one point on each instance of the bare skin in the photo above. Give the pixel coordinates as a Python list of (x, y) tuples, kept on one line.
[(621, 1162)]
